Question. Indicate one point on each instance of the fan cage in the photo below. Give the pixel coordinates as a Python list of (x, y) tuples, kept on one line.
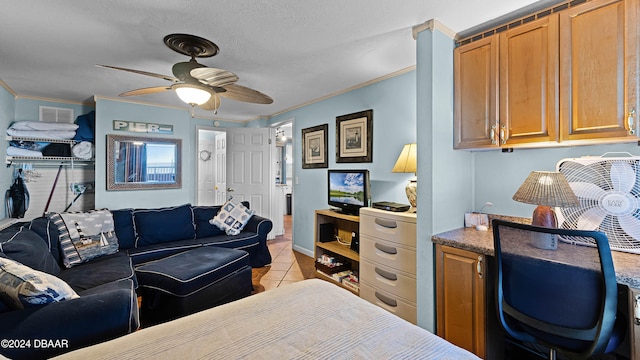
[(598, 171)]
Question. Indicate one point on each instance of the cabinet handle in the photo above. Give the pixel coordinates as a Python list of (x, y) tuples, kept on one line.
[(386, 223), (479, 266), (636, 309), (387, 249), (631, 121), (387, 300), (386, 274), (492, 134), (503, 134)]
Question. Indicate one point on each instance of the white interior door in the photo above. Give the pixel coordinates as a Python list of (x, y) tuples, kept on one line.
[(220, 185), (249, 175), (206, 170)]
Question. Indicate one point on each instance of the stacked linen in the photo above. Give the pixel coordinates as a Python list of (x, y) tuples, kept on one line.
[(39, 130), (43, 130)]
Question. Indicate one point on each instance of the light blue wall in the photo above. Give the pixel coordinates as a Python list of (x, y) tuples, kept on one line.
[(29, 109), (184, 127), (498, 175), (394, 121), (444, 175), (7, 116)]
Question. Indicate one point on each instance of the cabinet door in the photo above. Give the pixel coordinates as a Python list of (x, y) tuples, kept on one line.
[(460, 298), (529, 82), (476, 94), (598, 69)]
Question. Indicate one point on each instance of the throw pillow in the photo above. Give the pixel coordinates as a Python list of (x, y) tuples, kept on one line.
[(28, 248), (85, 235), (21, 286), (155, 226), (232, 217)]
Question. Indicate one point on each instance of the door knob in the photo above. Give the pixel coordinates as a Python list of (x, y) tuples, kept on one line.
[(230, 190)]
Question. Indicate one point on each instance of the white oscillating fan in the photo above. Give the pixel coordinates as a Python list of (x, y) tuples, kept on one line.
[(609, 192)]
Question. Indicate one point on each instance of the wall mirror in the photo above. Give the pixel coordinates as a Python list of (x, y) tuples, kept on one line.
[(138, 163)]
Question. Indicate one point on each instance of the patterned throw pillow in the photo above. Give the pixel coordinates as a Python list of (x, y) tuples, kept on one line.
[(232, 217), (85, 235), (21, 286)]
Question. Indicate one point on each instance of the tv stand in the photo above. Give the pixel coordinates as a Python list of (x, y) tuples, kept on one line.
[(344, 225)]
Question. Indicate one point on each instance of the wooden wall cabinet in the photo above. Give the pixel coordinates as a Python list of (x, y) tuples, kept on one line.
[(506, 87), (571, 76), (460, 298), (598, 70)]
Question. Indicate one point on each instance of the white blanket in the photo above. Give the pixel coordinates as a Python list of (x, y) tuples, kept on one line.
[(311, 319), (43, 134), (43, 125)]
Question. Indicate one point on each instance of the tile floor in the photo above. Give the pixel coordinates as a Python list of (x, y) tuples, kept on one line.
[(288, 266)]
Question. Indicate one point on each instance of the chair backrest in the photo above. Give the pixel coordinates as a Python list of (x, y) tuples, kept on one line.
[(562, 296)]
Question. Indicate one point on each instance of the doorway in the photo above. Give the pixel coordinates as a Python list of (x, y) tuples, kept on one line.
[(212, 167), (283, 170)]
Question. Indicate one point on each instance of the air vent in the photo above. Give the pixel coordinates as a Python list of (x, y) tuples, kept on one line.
[(56, 114)]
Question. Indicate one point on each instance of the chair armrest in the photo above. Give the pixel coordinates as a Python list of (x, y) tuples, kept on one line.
[(71, 324)]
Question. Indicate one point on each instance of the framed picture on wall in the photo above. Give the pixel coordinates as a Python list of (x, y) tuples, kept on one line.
[(354, 137), (314, 147)]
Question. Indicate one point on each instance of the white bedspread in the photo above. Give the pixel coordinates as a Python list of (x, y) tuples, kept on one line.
[(311, 319)]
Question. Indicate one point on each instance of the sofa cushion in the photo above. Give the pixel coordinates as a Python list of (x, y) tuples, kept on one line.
[(48, 231), (21, 286), (102, 270), (85, 235), (28, 248), (232, 217), (165, 224), (125, 229), (201, 217)]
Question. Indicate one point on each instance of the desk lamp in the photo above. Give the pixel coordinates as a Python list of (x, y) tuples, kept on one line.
[(546, 189), (407, 163)]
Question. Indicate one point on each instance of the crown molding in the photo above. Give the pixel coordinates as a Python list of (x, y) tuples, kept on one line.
[(431, 25), (6, 87)]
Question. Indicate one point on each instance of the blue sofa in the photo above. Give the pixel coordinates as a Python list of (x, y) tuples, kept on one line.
[(107, 285)]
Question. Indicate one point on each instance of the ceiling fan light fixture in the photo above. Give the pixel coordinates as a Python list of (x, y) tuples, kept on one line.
[(193, 95)]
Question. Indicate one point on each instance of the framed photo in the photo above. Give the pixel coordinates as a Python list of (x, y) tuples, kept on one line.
[(314, 147), (354, 137)]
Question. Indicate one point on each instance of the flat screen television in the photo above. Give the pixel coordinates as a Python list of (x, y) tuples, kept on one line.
[(348, 190)]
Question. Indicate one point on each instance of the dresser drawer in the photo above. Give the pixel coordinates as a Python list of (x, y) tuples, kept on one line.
[(388, 253), (390, 229), (388, 279), (389, 302)]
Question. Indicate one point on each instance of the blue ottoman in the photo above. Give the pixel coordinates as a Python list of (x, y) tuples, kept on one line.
[(191, 281)]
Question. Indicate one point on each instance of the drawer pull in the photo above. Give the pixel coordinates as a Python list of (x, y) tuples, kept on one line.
[(386, 274), (387, 300), (386, 223), (387, 249)]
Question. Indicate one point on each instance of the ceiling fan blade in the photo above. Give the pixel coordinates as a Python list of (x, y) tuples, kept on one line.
[(214, 77), (242, 93), (160, 76), (213, 103), (146, 91)]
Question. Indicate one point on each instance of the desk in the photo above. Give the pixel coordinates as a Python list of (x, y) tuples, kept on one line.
[(627, 268)]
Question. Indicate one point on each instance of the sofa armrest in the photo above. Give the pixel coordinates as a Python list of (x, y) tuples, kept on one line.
[(71, 324), (260, 226)]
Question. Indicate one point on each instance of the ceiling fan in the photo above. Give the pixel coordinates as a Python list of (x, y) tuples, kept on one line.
[(194, 83)]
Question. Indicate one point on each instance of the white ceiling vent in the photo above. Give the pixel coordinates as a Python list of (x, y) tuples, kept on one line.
[(56, 114)]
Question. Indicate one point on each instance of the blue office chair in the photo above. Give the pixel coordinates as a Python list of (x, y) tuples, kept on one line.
[(553, 293)]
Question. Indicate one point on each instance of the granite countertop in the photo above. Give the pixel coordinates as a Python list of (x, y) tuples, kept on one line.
[(627, 265)]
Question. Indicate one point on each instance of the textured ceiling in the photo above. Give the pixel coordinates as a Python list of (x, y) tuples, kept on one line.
[(295, 51)]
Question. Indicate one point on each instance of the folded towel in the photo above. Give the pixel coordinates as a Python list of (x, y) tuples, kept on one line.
[(41, 125), (42, 134), (15, 151), (83, 150)]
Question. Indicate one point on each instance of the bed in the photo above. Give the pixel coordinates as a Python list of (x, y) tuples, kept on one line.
[(310, 319)]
